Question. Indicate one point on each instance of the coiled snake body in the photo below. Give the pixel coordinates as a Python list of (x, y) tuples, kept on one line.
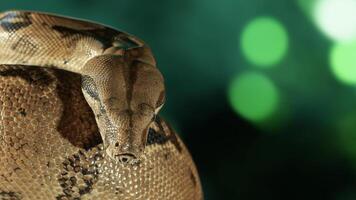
[(79, 107)]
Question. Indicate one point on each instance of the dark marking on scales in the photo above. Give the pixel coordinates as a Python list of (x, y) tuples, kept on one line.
[(30, 74), (10, 195), (193, 178), (107, 36), (131, 80), (130, 75), (25, 45), (163, 135), (75, 170), (89, 86), (14, 21)]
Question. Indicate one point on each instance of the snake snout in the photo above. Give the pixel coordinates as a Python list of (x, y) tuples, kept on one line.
[(125, 158)]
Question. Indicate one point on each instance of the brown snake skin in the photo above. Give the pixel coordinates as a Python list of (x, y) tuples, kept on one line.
[(52, 145)]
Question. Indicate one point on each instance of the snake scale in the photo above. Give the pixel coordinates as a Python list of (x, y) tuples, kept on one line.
[(79, 105)]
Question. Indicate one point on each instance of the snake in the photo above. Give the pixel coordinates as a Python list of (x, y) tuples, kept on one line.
[(79, 115)]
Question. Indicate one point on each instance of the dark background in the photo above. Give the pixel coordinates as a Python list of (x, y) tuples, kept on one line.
[(304, 147)]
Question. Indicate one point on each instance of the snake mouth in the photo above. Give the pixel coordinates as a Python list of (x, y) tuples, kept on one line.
[(123, 155), (125, 158)]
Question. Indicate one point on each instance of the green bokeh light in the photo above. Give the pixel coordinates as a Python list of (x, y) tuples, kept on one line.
[(337, 19), (253, 96), (342, 61), (264, 41)]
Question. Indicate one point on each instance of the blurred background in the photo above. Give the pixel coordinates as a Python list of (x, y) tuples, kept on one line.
[(263, 92)]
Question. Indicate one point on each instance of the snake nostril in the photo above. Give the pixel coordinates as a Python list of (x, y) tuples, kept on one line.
[(116, 144)]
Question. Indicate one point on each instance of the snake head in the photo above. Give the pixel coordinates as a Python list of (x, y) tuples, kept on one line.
[(125, 106)]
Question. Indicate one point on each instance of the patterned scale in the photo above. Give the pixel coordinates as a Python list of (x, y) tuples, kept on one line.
[(50, 147)]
